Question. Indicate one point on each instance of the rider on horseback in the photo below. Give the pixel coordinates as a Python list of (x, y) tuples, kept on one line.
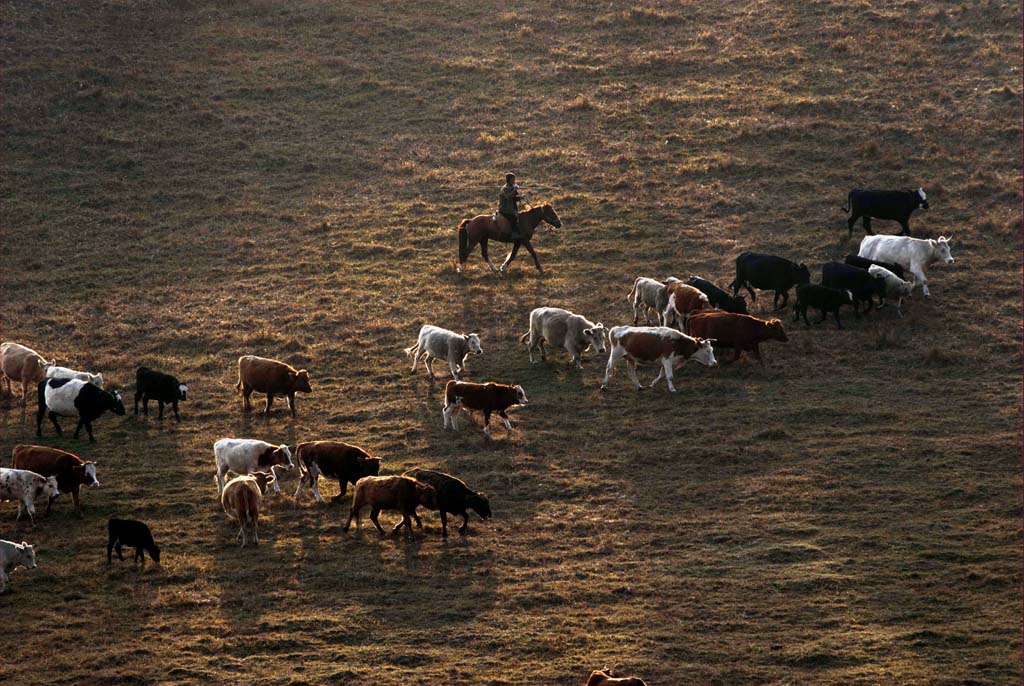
[(508, 204)]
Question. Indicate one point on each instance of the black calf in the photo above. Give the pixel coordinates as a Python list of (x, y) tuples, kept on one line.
[(131, 533), (822, 298)]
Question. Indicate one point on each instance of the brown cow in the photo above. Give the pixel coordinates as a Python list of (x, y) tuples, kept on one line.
[(71, 471), (400, 493), (486, 397), (241, 501), (271, 377), (682, 300), (604, 677), (655, 344), (346, 463), (23, 365), (737, 331)]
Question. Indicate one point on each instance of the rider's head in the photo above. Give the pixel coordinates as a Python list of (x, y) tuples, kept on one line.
[(510, 178)]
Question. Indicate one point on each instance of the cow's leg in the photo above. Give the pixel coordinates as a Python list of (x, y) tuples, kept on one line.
[(851, 221), (899, 307), (405, 522), (110, 550), (174, 405), (221, 471), (661, 374), (75, 500), (49, 505), (137, 396), (835, 313), (246, 398), (270, 401), (905, 231), (446, 413), (667, 365), (453, 364), (487, 259), (631, 370), (277, 487), (88, 430), (256, 531), (291, 402), (120, 551), (920, 279), (315, 478), (867, 226), (53, 419), (511, 256), (417, 351), (533, 254), (487, 423), (160, 405), (504, 418), (775, 301), (824, 314), (614, 356), (373, 518), (342, 488), (427, 359), (756, 352), (353, 512), (465, 522), (145, 405)]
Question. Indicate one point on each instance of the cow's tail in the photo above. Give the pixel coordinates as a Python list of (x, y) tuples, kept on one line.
[(409, 352), (631, 298), (463, 241), (522, 339)]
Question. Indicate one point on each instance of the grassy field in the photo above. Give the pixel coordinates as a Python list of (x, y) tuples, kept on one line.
[(186, 182)]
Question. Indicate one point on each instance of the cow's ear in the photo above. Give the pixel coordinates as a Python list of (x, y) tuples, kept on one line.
[(587, 332)]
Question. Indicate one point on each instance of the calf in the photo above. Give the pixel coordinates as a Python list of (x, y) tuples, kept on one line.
[(655, 344), (912, 253), (453, 497), (559, 327), (241, 499), (649, 295), (12, 556), (75, 398), (442, 344), (400, 493), (895, 205), (604, 677), (865, 263), (718, 297), (682, 300), (163, 388), (823, 298), (486, 397), (26, 487), (247, 455), (346, 463), (54, 372), (768, 272), (895, 287), (741, 332), (271, 377), (70, 470), (21, 364), (134, 534), (859, 281)]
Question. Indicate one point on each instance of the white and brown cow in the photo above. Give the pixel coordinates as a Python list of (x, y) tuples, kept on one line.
[(649, 295), (26, 487), (21, 364), (657, 345), (682, 300), (485, 397), (247, 455), (442, 344), (558, 327), (241, 500)]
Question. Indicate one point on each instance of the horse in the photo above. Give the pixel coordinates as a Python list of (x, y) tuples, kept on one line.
[(485, 227)]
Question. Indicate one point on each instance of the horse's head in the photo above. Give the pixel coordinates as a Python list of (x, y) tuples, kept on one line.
[(549, 215)]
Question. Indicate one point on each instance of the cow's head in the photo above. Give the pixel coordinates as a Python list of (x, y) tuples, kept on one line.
[(480, 504), (300, 381), (776, 330), (263, 480), (47, 488), (849, 296), (940, 250), (520, 395), (922, 199), (115, 403), (282, 455), (802, 274), (28, 556), (369, 466), (426, 495), (596, 336), (473, 343), (705, 354), (88, 476), (182, 391), (96, 380), (739, 304)]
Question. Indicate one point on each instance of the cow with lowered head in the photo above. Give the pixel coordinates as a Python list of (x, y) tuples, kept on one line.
[(75, 398), (718, 297), (453, 497), (248, 455), (272, 377), (558, 327)]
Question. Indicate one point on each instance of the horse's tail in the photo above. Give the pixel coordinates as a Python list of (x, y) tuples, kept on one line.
[(463, 241)]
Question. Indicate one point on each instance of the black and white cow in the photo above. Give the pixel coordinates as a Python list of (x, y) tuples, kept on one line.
[(895, 205), (859, 281), (163, 388), (75, 398), (768, 272)]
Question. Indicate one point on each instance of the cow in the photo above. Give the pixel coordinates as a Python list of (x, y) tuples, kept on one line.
[(69, 469), (453, 497), (12, 556), (248, 455), (895, 205), (604, 677), (860, 282), (865, 263), (26, 487), (400, 493), (134, 534), (682, 300), (649, 295), (55, 372), (768, 272), (346, 463), (741, 332), (75, 398), (718, 297), (271, 377), (241, 499), (822, 298), (558, 327), (21, 364), (442, 344), (655, 344), (485, 397), (914, 254), (895, 287), (163, 388)]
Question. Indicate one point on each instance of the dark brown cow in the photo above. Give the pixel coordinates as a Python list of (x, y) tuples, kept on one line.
[(400, 493), (655, 344), (346, 463), (741, 332), (682, 300), (485, 397), (71, 471), (271, 377), (453, 496)]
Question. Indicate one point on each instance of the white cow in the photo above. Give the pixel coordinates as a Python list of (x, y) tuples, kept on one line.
[(658, 345), (913, 254), (559, 327), (246, 456), (12, 556), (54, 372), (649, 294), (26, 487), (435, 342), (895, 287)]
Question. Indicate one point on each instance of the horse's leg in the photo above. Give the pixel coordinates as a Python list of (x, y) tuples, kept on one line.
[(487, 259), (533, 254), (511, 256)]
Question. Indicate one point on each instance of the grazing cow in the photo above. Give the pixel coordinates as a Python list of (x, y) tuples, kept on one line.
[(55, 372), (163, 388), (247, 455), (69, 469), (26, 487), (860, 282), (895, 287), (442, 344), (346, 463), (823, 298), (682, 300), (655, 344), (453, 497), (768, 272), (271, 377), (12, 556), (895, 205), (865, 263), (737, 331), (914, 254), (559, 327), (134, 534), (718, 297), (21, 364), (400, 493), (649, 295), (75, 398), (486, 397), (604, 677), (241, 500)]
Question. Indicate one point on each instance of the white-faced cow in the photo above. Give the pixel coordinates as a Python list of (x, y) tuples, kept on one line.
[(442, 344), (485, 397), (655, 345), (12, 556), (913, 254), (75, 398), (71, 471), (558, 327), (26, 487), (248, 455), (895, 205), (895, 287), (21, 364), (163, 388)]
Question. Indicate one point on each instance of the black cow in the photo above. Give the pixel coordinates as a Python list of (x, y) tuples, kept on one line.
[(719, 298), (75, 398), (864, 263), (859, 281), (768, 272), (163, 388), (134, 534), (453, 496), (822, 298), (895, 205)]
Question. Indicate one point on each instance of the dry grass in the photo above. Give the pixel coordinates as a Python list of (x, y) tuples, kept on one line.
[(187, 182)]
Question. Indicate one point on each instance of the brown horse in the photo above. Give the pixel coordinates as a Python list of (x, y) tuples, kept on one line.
[(484, 227)]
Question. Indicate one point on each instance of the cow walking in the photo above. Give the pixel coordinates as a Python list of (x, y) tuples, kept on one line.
[(894, 205)]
